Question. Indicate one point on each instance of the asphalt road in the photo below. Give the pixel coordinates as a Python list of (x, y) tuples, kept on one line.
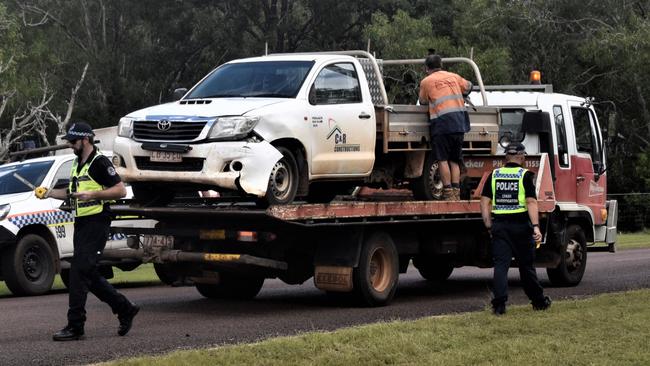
[(180, 318)]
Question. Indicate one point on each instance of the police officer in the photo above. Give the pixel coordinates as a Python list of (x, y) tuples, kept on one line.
[(509, 211), (93, 184)]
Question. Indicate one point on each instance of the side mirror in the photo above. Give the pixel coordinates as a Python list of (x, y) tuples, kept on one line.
[(62, 183), (178, 93)]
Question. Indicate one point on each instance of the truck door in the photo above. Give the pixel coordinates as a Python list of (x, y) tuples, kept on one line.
[(343, 123), (589, 162)]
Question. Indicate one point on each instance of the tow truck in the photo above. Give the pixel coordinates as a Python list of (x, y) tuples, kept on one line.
[(359, 243)]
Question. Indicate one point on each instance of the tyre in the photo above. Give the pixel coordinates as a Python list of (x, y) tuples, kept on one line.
[(375, 278), (149, 195), (574, 261), (428, 186), (165, 273), (28, 267), (232, 286), (432, 269), (283, 182)]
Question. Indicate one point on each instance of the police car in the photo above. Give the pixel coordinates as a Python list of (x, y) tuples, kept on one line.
[(36, 235)]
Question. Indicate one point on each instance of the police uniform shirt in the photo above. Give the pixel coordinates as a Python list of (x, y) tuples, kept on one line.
[(103, 172), (529, 191)]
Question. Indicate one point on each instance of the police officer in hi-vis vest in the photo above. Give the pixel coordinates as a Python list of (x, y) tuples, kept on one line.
[(509, 211), (93, 184)]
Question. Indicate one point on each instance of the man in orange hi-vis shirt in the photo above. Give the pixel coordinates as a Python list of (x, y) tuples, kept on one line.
[(444, 92)]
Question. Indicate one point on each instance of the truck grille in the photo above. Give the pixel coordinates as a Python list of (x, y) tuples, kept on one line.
[(187, 165), (177, 131)]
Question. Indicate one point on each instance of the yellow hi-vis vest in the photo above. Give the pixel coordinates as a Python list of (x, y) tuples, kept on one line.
[(82, 182), (508, 194)]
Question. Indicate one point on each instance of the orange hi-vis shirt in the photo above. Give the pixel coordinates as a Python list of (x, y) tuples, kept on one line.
[(443, 91)]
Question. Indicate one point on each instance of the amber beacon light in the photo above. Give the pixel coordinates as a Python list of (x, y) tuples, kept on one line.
[(535, 77)]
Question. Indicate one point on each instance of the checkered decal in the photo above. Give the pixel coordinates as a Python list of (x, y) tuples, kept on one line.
[(51, 217), (498, 175), (373, 83)]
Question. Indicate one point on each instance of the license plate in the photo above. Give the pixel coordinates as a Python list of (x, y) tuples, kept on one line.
[(158, 241), (166, 157)]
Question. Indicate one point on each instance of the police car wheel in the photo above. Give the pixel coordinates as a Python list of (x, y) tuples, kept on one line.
[(28, 268), (375, 278)]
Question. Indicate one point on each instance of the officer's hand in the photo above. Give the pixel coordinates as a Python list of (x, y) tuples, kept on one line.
[(537, 235), (41, 192), (83, 196)]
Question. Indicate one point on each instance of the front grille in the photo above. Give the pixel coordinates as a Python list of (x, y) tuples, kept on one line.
[(187, 165), (179, 130)]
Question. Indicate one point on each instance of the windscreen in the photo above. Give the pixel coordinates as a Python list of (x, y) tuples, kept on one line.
[(271, 79), (511, 122), (34, 173)]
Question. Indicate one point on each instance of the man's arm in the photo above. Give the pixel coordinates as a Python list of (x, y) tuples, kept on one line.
[(486, 211), (60, 193), (424, 99), (533, 214), (115, 192)]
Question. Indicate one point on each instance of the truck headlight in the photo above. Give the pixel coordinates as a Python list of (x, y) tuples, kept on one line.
[(232, 126), (125, 127), (4, 211)]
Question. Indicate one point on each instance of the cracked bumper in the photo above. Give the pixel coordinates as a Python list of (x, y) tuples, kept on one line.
[(214, 164)]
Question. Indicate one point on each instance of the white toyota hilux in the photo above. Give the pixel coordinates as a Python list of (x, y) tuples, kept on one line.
[(36, 235), (283, 126)]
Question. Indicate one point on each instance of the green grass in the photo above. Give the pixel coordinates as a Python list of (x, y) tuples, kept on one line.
[(608, 329), (633, 240)]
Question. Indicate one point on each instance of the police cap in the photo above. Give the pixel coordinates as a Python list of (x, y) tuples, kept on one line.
[(79, 130), (515, 148)]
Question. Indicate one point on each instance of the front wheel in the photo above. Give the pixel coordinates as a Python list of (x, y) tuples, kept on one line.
[(375, 278), (28, 268), (283, 181), (428, 186), (574, 259)]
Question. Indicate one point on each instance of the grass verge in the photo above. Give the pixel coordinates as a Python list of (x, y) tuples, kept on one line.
[(609, 329), (633, 240)]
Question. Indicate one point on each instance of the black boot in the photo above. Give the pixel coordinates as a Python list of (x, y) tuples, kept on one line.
[(542, 304), (498, 307), (126, 319), (69, 333)]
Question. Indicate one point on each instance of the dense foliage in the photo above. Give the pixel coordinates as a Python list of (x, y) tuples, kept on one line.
[(139, 51)]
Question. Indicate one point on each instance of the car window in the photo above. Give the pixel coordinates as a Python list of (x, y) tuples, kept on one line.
[(11, 176), (336, 84), (63, 172)]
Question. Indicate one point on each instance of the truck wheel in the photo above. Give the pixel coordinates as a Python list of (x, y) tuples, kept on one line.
[(165, 273), (283, 182), (147, 194), (232, 286), (574, 261), (428, 186), (28, 267), (433, 270), (375, 278)]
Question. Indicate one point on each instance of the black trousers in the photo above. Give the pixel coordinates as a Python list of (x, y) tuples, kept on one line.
[(90, 235), (514, 239)]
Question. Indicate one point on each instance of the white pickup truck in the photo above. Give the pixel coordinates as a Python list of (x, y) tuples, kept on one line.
[(281, 126), (36, 235)]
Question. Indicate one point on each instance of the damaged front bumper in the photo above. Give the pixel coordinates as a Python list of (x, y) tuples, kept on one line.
[(229, 164)]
